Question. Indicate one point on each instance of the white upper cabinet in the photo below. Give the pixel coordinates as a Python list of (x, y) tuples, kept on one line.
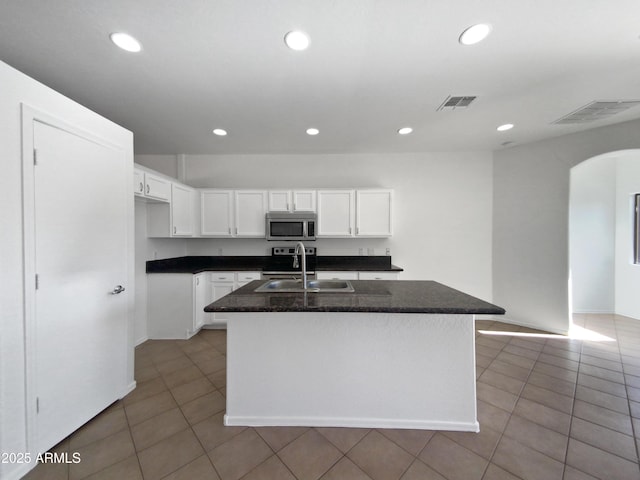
[(233, 213), (157, 187), (182, 206), (216, 213), (355, 213), (304, 200), (177, 210), (138, 182), (374, 212), (336, 213), (251, 207), (280, 201), (148, 185), (292, 200)]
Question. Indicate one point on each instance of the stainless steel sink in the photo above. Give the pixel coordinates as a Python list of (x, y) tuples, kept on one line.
[(313, 286)]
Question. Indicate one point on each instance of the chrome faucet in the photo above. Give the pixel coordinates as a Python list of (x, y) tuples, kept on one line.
[(300, 247)]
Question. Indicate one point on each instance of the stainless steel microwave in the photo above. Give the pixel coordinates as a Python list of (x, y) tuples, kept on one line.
[(291, 225)]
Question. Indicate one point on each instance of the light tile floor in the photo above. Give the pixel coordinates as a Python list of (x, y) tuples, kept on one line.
[(549, 408)]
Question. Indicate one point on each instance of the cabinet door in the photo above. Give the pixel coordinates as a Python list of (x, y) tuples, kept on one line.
[(216, 207), (202, 298), (219, 290), (304, 200), (279, 201), (336, 211), (374, 213), (138, 182), (181, 210), (251, 206), (157, 187)]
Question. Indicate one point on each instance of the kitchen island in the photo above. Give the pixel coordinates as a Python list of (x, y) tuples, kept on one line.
[(391, 354)]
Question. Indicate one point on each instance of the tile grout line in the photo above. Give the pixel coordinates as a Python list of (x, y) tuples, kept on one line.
[(510, 415)]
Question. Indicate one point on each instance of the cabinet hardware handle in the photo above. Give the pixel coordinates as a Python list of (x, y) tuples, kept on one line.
[(175, 230), (288, 207), (117, 290), (147, 188), (229, 230), (141, 187), (236, 230)]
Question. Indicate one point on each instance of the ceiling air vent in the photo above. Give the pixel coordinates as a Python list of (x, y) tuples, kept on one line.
[(597, 110), (451, 103)]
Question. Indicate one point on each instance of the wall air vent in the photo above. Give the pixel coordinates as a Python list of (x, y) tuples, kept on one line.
[(597, 110), (451, 102)]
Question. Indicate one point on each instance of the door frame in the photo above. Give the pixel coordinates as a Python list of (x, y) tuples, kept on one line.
[(29, 115)]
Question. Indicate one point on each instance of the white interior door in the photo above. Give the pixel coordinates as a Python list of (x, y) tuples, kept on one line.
[(80, 344)]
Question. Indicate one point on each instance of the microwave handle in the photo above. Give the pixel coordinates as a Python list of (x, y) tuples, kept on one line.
[(304, 229)]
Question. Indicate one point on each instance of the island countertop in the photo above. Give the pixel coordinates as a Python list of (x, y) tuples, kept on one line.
[(382, 296)]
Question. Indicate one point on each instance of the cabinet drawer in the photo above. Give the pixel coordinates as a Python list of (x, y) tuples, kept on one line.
[(345, 275), (378, 275), (222, 276), (248, 276)]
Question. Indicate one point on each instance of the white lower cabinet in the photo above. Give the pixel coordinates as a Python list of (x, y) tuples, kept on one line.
[(223, 283), (175, 304), (351, 275), (202, 298)]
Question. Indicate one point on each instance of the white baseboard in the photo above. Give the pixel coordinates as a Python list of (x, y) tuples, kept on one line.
[(130, 388), (597, 312), (263, 421)]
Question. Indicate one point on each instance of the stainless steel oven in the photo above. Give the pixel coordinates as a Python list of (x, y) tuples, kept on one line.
[(281, 264), (291, 226)]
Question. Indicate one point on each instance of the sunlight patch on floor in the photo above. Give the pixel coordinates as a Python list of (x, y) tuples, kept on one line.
[(576, 333)]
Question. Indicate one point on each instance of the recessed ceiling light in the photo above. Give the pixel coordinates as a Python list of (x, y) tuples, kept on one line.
[(405, 130), (220, 132), (312, 131), (296, 40), (475, 34), (126, 42), (505, 127)]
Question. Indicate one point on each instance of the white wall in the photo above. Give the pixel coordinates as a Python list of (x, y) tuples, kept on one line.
[(627, 274), (17, 88), (531, 218), (592, 235), (443, 205)]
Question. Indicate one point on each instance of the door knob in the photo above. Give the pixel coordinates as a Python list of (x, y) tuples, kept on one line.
[(117, 290)]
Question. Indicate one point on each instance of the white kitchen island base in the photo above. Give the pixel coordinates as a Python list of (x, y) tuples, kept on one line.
[(351, 369)]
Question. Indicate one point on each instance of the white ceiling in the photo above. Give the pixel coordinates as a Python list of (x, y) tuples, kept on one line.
[(373, 66)]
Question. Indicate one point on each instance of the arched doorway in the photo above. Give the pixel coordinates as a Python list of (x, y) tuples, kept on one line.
[(603, 276)]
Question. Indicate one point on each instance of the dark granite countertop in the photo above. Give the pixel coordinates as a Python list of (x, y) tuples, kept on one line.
[(383, 296), (197, 264)]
